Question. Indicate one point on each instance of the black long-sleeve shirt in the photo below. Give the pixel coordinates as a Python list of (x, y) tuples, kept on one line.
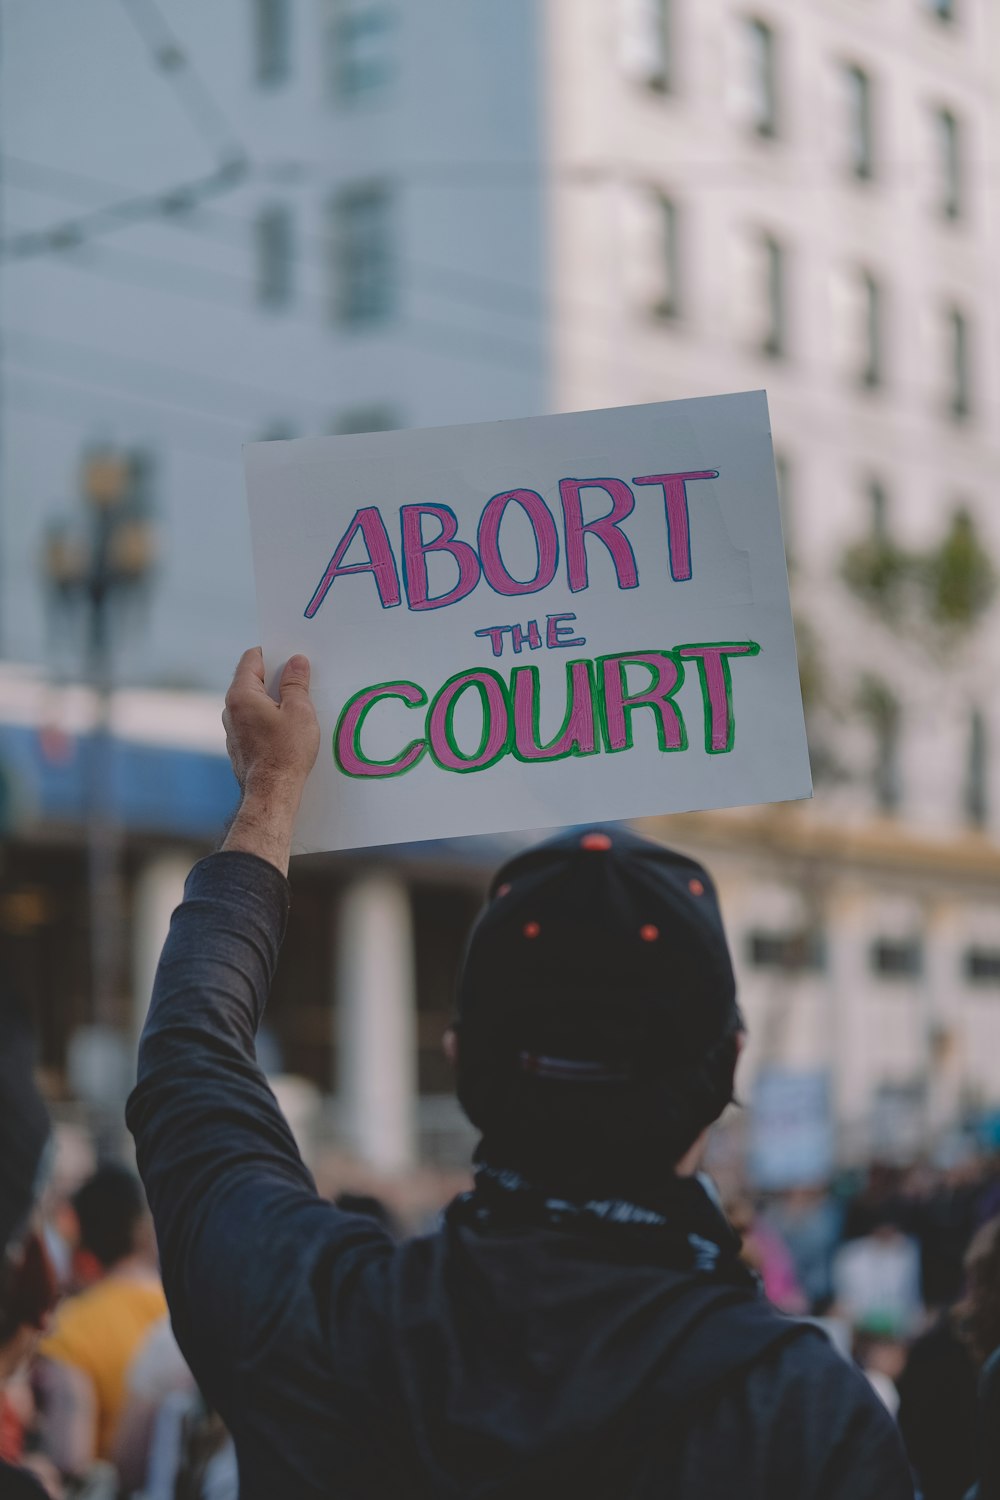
[(496, 1363)]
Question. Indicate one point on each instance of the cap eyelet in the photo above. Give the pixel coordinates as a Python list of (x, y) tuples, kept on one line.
[(649, 933), (696, 887), (595, 841), (531, 929)]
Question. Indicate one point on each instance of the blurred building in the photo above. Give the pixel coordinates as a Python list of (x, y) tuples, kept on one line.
[(281, 218)]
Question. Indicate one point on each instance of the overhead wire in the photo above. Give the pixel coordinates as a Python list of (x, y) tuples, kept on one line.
[(231, 167), (174, 61), (186, 381), (34, 395), (432, 335), (202, 220), (454, 283)]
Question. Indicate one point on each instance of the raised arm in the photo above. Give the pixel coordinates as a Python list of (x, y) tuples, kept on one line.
[(238, 1220)]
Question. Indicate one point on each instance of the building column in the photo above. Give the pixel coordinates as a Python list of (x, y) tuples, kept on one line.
[(159, 888), (376, 1001), (849, 1019), (944, 1041)]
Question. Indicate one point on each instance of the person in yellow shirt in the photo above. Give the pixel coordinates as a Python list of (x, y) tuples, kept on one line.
[(97, 1332)]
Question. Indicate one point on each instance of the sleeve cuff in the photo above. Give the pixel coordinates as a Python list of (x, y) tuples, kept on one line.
[(233, 872)]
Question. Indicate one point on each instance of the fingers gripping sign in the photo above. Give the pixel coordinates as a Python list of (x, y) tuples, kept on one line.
[(272, 747)]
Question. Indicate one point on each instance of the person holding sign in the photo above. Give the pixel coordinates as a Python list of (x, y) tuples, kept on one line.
[(581, 1323)]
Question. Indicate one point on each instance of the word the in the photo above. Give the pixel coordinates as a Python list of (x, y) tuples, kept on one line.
[(599, 713), (485, 559), (556, 634)]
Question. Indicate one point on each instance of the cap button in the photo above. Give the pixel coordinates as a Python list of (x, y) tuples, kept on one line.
[(595, 841)]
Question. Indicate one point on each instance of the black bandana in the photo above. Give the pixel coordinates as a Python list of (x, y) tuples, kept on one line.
[(682, 1226)]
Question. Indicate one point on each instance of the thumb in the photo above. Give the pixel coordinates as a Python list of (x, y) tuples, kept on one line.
[(294, 679)]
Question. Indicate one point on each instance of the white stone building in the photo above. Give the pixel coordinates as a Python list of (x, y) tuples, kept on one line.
[(450, 211)]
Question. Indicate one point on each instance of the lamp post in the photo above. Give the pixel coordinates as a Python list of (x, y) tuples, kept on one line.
[(90, 568)]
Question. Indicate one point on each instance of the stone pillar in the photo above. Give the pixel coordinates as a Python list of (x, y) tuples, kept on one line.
[(848, 990), (159, 888), (376, 1000), (944, 1040)]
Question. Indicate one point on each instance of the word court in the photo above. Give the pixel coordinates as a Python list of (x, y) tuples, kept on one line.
[(600, 706)]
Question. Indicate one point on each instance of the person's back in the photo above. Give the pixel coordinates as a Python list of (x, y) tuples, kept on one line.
[(98, 1330), (581, 1322), (506, 1359), (877, 1280)]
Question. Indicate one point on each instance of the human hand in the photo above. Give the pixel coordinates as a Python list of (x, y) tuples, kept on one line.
[(272, 747)]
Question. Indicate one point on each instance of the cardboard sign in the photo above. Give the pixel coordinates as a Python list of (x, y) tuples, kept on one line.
[(526, 624), (791, 1129)]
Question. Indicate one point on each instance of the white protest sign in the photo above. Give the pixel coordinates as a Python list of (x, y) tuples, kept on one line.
[(791, 1129), (525, 624)]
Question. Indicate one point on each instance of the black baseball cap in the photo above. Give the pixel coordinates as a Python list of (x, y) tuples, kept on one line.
[(597, 983)]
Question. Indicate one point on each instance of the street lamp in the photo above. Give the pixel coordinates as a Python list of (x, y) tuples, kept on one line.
[(90, 568)]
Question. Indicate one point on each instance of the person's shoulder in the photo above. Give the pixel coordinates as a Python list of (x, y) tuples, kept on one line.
[(807, 1387), (808, 1362), (808, 1382)]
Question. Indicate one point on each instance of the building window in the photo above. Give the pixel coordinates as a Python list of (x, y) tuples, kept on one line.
[(950, 163), (871, 366), (275, 256), (860, 132), (982, 965), (896, 958), (359, 37), (878, 502), (762, 72), (646, 42), (667, 304), (977, 766), (888, 788), (774, 295), (650, 251), (272, 41), (364, 280), (794, 952), (960, 395), (374, 418)]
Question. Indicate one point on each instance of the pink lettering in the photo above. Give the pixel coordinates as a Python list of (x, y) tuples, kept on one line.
[(619, 704), (577, 735), (546, 542), (347, 738), (415, 550), (606, 528), (717, 688), (558, 634), (678, 523), (381, 563), (496, 721)]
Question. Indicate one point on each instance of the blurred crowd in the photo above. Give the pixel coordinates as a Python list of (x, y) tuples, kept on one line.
[(901, 1266)]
